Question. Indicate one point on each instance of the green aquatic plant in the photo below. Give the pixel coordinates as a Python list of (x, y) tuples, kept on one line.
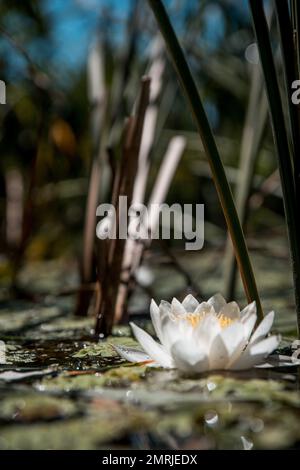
[(287, 149), (218, 172)]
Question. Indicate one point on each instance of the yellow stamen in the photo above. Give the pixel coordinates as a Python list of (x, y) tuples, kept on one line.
[(224, 321), (195, 318)]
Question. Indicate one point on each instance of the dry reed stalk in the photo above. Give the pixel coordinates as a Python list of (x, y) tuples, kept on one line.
[(128, 170), (160, 189), (97, 99)]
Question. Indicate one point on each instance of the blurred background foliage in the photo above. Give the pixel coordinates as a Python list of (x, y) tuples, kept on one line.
[(45, 132)]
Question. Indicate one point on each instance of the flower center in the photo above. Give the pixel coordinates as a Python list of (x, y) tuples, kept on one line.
[(224, 321), (195, 318)]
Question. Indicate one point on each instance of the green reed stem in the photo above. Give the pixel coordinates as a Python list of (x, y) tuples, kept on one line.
[(280, 139), (224, 192)]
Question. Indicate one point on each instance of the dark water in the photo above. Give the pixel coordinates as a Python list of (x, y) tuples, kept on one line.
[(76, 393)]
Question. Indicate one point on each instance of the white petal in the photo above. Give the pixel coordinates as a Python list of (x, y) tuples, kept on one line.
[(266, 346), (263, 328), (248, 311), (255, 354), (173, 330), (217, 301), (156, 320), (190, 303), (204, 307), (165, 312), (234, 339), (218, 354), (239, 350), (207, 330), (249, 324), (164, 308), (233, 336), (188, 358), (155, 350), (231, 310), (177, 307), (131, 354)]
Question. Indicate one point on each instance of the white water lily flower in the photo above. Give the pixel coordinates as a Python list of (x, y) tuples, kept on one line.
[(196, 337)]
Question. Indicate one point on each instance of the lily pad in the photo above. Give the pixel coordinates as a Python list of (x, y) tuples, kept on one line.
[(35, 407), (115, 377), (104, 348), (107, 425)]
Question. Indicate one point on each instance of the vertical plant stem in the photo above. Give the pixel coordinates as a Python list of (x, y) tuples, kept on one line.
[(280, 139), (253, 132), (290, 74), (129, 165), (132, 248), (295, 11), (29, 205), (14, 184), (224, 192), (97, 99)]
